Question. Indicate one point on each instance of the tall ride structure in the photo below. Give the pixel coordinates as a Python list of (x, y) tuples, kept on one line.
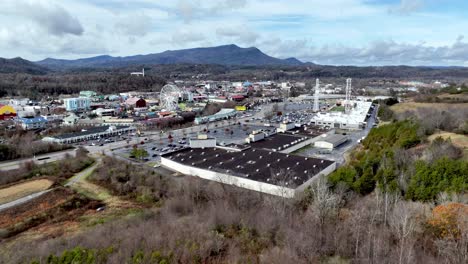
[(316, 96), (348, 104)]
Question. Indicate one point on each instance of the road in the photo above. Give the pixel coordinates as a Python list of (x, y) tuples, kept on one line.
[(107, 149), (16, 164), (78, 177), (22, 200), (338, 153)]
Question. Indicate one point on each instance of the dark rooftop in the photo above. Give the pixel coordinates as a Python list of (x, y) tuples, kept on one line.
[(278, 142), (310, 131), (255, 164), (89, 131)]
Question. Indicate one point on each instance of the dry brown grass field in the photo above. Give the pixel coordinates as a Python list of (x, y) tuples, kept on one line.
[(413, 106), (23, 189)]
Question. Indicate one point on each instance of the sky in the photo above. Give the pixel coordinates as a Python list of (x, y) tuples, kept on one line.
[(333, 32)]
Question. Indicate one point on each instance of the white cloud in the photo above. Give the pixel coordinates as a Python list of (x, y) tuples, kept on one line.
[(387, 52), (50, 16), (133, 25), (239, 34), (190, 10), (407, 7), (184, 37), (333, 31)]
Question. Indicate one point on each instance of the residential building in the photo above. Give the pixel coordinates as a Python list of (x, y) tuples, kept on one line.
[(77, 104), (30, 123)]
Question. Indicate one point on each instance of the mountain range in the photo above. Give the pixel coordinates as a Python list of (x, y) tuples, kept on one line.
[(19, 65), (222, 55)]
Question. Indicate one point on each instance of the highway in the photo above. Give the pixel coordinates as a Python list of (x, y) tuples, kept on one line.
[(41, 159)]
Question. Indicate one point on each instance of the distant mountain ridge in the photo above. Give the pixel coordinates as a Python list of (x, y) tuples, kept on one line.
[(19, 65), (222, 55)]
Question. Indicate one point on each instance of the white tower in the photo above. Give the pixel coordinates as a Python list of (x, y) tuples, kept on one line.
[(143, 72), (316, 96), (348, 103)]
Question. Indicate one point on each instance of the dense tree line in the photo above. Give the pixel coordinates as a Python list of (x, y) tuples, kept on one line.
[(55, 84), (20, 143), (388, 161)]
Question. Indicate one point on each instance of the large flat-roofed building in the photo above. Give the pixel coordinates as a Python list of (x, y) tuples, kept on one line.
[(255, 169), (89, 134), (330, 141), (77, 104), (224, 113), (354, 120)]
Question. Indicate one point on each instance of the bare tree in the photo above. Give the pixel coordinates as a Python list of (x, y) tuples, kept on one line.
[(403, 221), (325, 203)]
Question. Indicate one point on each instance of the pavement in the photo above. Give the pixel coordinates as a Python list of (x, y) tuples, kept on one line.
[(84, 173), (41, 159), (108, 148), (338, 153), (22, 200)]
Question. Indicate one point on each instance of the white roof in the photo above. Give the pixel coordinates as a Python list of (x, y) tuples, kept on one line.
[(356, 115)]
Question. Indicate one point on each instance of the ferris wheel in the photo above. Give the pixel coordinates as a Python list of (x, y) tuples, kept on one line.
[(169, 97)]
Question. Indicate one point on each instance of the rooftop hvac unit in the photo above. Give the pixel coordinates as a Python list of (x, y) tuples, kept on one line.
[(305, 172)]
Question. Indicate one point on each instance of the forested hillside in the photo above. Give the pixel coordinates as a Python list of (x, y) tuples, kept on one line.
[(19, 65), (389, 161), (35, 87)]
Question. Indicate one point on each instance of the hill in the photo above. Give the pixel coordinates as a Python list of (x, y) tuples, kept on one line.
[(19, 65), (222, 55)]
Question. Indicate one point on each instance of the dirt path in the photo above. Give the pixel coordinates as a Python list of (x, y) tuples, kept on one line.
[(80, 184)]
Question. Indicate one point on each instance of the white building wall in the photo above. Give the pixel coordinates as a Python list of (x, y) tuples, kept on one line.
[(325, 172), (203, 143), (228, 179), (323, 144)]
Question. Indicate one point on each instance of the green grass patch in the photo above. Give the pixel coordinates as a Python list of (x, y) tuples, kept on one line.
[(338, 109)]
